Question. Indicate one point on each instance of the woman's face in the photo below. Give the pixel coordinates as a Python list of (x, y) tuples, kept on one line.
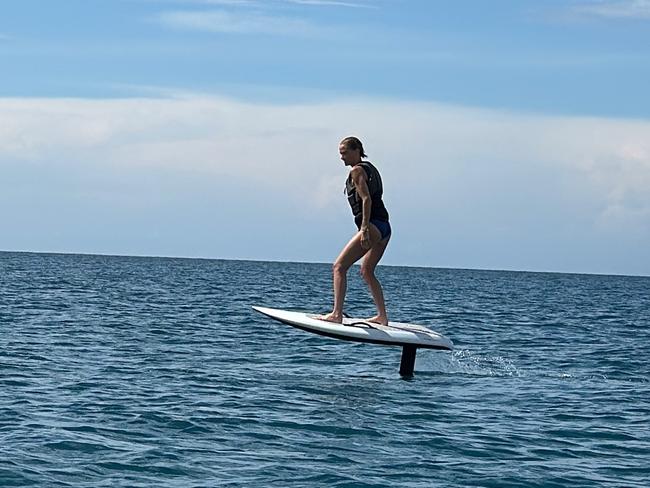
[(349, 156)]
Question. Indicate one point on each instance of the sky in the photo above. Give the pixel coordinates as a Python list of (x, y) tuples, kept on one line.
[(510, 135)]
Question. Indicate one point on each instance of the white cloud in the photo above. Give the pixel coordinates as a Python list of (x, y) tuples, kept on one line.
[(226, 2), (222, 21), (483, 179), (623, 9), (268, 3), (206, 135), (257, 18), (224, 136), (222, 3), (332, 3)]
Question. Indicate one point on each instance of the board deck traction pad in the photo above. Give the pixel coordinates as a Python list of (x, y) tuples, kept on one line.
[(409, 336)]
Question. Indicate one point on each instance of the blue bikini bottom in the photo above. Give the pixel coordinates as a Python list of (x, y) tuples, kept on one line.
[(383, 226)]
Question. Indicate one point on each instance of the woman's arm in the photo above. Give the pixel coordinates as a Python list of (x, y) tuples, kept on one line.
[(360, 180)]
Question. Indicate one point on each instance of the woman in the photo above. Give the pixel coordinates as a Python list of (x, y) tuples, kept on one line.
[(364, 190)]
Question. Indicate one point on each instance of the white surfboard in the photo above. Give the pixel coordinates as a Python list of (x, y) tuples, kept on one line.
[(360, 330)]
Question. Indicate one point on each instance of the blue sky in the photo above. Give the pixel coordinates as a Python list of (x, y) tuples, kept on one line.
[(511, 134), (553, 56)]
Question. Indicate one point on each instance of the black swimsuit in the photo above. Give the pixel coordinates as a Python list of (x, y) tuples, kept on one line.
[(378, 212)]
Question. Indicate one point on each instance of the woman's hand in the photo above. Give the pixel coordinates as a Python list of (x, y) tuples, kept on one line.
[(365, 237)]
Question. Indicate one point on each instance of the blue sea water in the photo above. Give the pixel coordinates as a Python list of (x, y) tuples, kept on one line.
[(125, 371)]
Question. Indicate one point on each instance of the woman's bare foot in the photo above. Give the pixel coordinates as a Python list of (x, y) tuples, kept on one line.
[(331, 317), (378, 319)]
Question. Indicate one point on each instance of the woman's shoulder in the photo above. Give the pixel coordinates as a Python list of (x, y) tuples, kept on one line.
[(359, 171)]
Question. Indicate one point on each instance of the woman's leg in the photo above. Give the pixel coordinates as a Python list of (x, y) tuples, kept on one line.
[(368, 273), (350, 254)]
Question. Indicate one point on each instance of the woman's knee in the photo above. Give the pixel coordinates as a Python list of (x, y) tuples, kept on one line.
[(339, 268)]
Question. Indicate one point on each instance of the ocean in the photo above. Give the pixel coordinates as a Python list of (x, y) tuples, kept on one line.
[(156, 372)]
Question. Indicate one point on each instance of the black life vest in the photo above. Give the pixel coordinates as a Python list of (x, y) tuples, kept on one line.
[(375, 188)]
